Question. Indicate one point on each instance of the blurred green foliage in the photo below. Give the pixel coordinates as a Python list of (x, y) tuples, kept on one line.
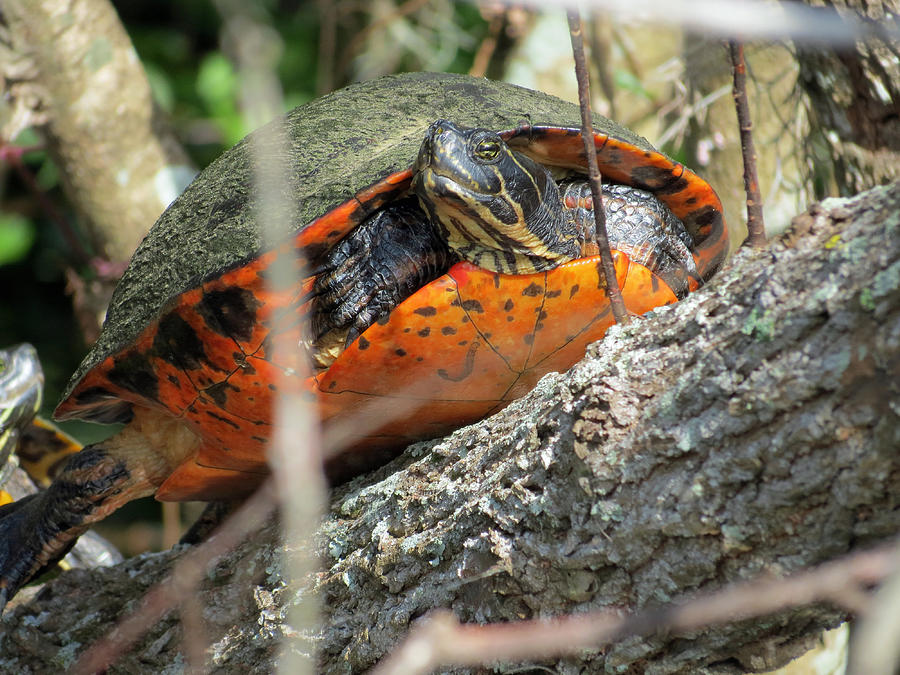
[(17, 234)]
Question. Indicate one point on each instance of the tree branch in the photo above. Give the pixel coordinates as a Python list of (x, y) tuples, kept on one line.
[(751, 429), (121, 166)]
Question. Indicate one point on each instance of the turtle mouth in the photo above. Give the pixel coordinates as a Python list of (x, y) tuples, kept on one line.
[(433, 184)]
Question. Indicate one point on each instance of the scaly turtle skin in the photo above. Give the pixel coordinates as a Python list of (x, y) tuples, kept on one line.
[(32, 451), (443, 278)]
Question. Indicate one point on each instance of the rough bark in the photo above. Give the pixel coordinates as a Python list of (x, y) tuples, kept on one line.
[(750, 429)]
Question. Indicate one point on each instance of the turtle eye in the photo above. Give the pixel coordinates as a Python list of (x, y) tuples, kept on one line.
[(487, 149)]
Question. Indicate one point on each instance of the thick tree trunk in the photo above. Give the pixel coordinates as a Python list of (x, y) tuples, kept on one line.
[(751, 429)]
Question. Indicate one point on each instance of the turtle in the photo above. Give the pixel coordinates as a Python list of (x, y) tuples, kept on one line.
[(443, 259), (33, 450)]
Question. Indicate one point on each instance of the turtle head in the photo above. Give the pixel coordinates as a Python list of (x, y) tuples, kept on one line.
[(497, 208)]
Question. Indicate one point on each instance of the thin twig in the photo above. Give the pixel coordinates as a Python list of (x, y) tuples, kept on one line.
[(756, 228), (294, 450), (441, 640), (489, 44), (875, 644), (587, 134)]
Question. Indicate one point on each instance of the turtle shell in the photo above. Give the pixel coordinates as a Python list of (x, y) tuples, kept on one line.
[(193, 323)]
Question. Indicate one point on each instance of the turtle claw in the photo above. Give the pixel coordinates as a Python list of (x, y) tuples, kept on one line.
[(35, 533), (20, 546)]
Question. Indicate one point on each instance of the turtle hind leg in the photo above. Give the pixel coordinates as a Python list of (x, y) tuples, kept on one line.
[(37, 531)]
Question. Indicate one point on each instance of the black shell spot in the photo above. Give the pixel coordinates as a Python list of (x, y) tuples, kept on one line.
[(652, 178), (425, 332), (135, 373), (425, 311), (705, 216), (472, 306), (400, 352), (532, 290), (508, 305), (176, 342), (218, 392), (672, 188), (554, 294), (448, 330), (573, 291), (467, 368), (528, 338), (362, 343), (230, 312), (225, 420)]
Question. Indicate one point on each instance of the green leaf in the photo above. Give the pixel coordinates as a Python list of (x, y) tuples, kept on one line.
[(17, 234), (216, 83), (626, 80)]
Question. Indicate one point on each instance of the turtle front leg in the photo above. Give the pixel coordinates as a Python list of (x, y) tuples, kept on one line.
[(37, 531), (382, 262)]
